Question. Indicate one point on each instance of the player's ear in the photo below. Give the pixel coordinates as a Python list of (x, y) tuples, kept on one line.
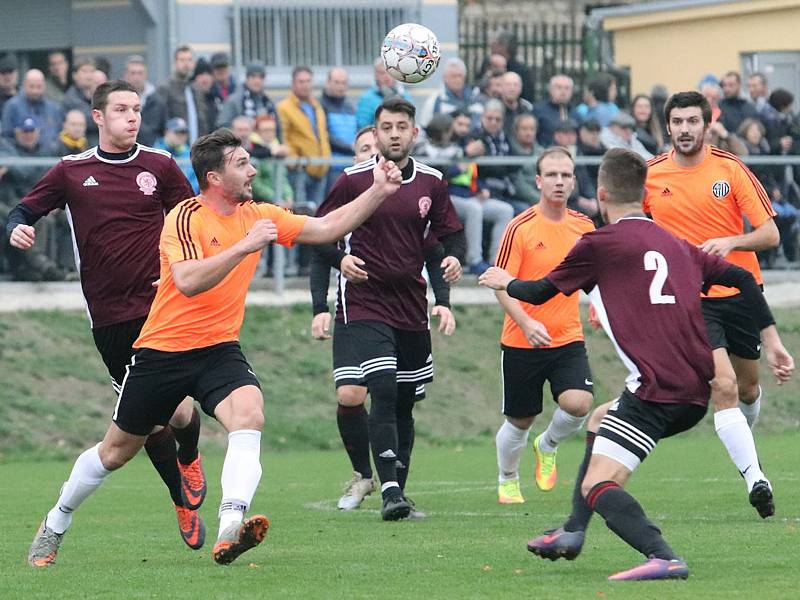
[(98, 117), (538, 182)]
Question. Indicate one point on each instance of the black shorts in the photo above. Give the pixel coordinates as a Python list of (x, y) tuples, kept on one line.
[(730, 325), (156, 382), (115, 344), (632, 427), (364, 349), (524, 371)]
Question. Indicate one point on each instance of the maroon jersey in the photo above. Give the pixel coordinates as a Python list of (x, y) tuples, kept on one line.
[(116, 211), (646, 285), (391, 243)]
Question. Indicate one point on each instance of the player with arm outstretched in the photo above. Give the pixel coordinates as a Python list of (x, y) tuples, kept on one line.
[(645, 284)]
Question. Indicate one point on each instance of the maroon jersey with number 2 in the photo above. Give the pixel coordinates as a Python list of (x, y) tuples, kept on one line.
[(645, 284)]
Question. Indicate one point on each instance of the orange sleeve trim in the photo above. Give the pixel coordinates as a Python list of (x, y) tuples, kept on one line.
[(579, 215), (508, 238), (657, 159), (184, 231), (759, 188)]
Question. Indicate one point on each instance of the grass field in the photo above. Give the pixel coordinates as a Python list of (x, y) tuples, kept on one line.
[(55, 394), (124, 541)]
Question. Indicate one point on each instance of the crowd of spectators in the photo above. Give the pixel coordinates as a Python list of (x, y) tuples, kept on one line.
[(494, 116)]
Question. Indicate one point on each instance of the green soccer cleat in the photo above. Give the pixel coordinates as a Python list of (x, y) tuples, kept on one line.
[(546, 473), (508, 492)]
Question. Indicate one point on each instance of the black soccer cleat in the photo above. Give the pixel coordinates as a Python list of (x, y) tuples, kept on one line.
[(761, 499), (395, 508)]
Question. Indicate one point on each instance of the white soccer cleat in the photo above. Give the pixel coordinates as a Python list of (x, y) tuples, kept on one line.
[(355, 491)]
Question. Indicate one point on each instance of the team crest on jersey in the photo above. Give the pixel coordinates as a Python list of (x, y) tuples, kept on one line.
[(720, 188), (147, 182), (424, 206)]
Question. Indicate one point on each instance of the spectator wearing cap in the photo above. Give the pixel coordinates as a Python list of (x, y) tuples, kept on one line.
[(224, 81), (31, 102), (454, 94), (79, 95), (72, 139), (589, 144), (176, 142), (621, 133), (8, 79), (566, 135), (305, 132), (251, 100), (201, 100), (57, 76), (385, 87), (341, 116), (555, 109), (599, 99)]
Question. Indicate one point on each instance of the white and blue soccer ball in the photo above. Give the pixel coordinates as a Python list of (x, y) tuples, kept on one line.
[(410, 53)]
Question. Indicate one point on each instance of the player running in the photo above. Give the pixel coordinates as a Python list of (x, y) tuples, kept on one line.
[(701, 194), (645, 284), (115, 196), (382, 322), (351, 416), (541, 343), (210, 247)]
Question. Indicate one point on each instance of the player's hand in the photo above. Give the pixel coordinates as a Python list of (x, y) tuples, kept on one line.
[(320, 326), (261, 234), (495, 278), (22, 237), (387, 177), (447, 322), (452, 269), (536, 333), (594, 320), (350, 267), (718, 246)]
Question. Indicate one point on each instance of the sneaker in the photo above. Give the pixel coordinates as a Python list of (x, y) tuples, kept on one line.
[(193, 530), (557, 543), (193, 483), (414, 513), (44, 547), (546, 473), (761, 498), (355, 491), (239, 538), (508, 492), (395, 508), (654, 568), (479, 267)]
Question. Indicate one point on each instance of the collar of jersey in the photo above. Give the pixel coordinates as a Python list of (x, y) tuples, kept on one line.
[(112, 157)]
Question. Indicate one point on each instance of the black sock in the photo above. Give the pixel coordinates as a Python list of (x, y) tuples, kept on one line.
[(383, 424), (160, 447), (581, 513), (405, 430), (187, 438), (354, 430), (625, 517)]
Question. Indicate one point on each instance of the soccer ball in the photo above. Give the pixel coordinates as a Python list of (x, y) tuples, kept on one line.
[(410, 53)]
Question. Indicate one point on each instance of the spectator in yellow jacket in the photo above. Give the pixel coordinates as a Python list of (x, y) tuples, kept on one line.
[(305, 131)]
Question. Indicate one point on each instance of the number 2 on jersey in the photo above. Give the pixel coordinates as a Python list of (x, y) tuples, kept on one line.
[(655, 261)]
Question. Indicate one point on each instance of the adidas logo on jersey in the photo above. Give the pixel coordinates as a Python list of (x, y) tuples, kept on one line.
[(541, 246), (90, 181), (666, 192), (214, 242)]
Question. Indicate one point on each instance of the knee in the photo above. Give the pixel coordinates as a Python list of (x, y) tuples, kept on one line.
[(183, 414), (577, 407), (586, 486), (748, 391), (523, 423), (113, 457), (724, 392), (252, 418), (351, 395)]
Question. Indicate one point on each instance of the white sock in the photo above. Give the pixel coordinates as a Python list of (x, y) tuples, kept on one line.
[(511, 442), (562, 426), (86, 476), (737, 438), (241, 473), (751, 411)]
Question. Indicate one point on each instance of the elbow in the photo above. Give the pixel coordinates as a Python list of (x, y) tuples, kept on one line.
[(185, 285), (774, 238)]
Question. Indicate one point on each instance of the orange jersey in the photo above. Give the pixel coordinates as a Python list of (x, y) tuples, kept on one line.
[(708, 201), (532, 246), (192, 231)]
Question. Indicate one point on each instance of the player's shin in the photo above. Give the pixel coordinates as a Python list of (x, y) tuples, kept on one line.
[(562, 426), (625, 517), (87, 475), (383, 430), (752, 410), (581, 513), (161, 451), (511, 442), (354, 431), (241, 473), (737, 438), (188, 438), (405, 431)]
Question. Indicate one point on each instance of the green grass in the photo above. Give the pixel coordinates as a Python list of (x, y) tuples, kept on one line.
[(56, 396), (124, 542)]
